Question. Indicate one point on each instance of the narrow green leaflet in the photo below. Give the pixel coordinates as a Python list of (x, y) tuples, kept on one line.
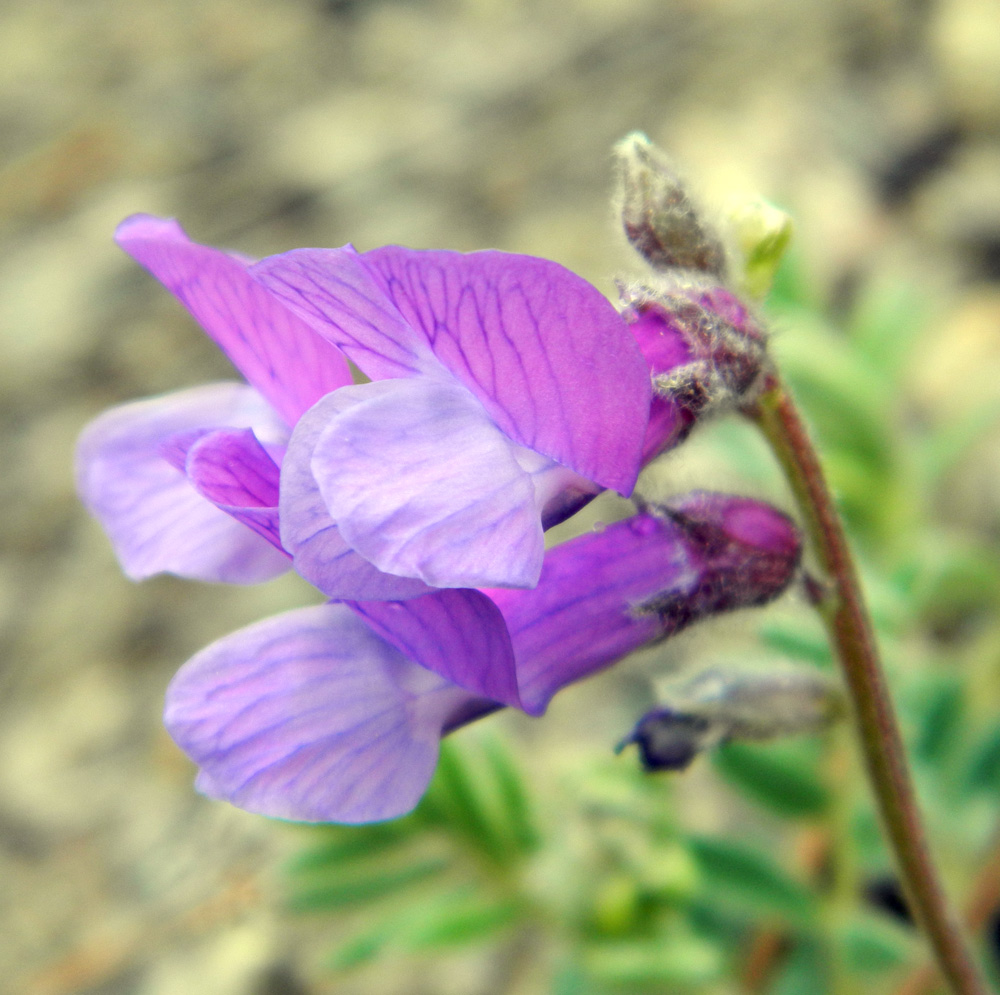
[(666, 962), (781, 776), (751, 882), (361, 885)]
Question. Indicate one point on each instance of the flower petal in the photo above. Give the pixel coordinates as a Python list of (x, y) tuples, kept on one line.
[(311, 716), (276, 351), (578, 620), (156, 520), (546, 355), (336, 294), (545, 352), (234, 471), (605, 594), (423, 484), (309, 533), (459, 634)]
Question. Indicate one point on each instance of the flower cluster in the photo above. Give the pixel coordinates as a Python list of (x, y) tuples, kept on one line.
[(503, 393)]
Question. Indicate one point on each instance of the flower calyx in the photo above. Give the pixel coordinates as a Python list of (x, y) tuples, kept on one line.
[(727, 360)]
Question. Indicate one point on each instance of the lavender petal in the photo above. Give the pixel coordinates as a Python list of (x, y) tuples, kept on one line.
[(547, 356), (422, 484), (156, 520), (458, 634), (308, 532), (235, 472), (311, 716), (276, 352)]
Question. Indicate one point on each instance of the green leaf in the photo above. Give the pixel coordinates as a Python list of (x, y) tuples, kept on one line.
[(661, 962), (798, 643), (781, 776), (982, 772), (461, 918), (363, 948), (844, 398), (889, 317), (513, 799), (949, 443), (571, 979), (751, 882), (458, 800), (450, 920), (356, 887), (939, 713), (345, 844), (792, 286), (874, 944), (953, 579), (804, 972)]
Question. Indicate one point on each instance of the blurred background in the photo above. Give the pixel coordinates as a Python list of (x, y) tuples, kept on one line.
[(269, 124)]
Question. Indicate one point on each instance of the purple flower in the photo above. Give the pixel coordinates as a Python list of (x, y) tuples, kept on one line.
[(188, 483), (505, 393), (334, 713)]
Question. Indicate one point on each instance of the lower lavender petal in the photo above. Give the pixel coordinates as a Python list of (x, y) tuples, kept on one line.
[(311, 716), (578, 619)]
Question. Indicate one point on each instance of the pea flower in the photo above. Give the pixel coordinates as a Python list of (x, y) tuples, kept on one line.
[(504, 393), (335, 712)]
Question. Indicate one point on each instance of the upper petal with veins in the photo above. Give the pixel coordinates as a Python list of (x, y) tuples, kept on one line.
[(276, 351), (545, 354)]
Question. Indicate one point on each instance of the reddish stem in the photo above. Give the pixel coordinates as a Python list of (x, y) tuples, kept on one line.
[(877, 729)]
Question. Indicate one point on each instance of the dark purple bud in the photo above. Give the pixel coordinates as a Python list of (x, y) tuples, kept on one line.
[(668, 740), (659, 217), (748, 553), (717, 706)]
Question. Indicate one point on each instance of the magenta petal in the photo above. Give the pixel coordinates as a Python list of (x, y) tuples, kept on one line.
[(459, 634), (279, 354), (605, 594), (156, 520), (311, 716), (423, 484), (336, 294), (236, 473), (309, 533), (578, 619), (547, 355)]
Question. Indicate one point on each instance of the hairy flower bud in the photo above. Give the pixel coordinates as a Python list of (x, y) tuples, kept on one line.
[(659, 217), (718, 705), (748, 553), (724, 346)]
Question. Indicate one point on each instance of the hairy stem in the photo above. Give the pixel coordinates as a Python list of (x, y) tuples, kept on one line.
[(850, 631)]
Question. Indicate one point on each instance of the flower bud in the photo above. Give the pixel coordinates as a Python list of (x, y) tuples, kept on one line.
[(705, 348), (658, 215), (763, 233), (747, 554), (717, 706)]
